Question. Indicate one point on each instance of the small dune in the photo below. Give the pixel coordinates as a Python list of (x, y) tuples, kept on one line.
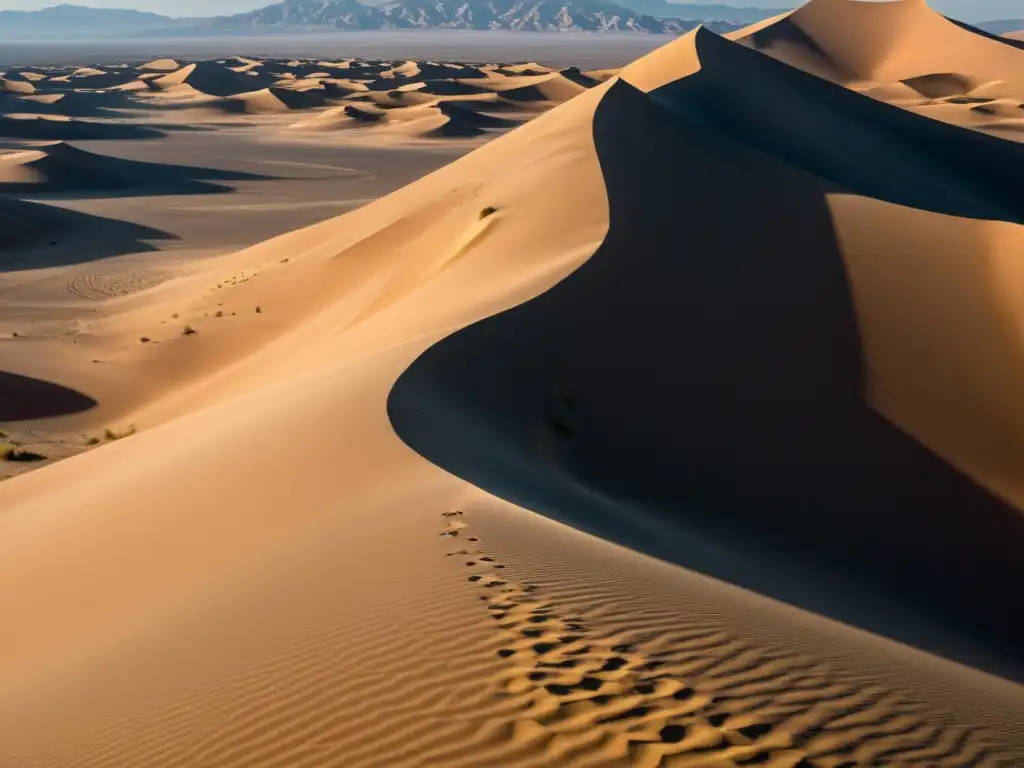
[(61, 167), (207, 78), (62, 128), (160, 65)]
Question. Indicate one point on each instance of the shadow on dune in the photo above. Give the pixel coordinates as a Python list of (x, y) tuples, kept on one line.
[(23, 398), (62, 168), (864, 145), (36, 236), (67, 103), (696, 389), (38, 127)]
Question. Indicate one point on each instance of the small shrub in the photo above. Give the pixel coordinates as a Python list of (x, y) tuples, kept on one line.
[(144, 340), (487, 211), (258, 310), (189, 330), (110, 435), (13, 453), (93, 440), (174, 316), (219, 314)]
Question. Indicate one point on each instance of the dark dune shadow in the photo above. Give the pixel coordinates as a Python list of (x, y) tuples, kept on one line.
[(696, 391), (23, 398), (70, 103), (68, 169), (71, 130), (214, 79), (36, 236), (867, 146)]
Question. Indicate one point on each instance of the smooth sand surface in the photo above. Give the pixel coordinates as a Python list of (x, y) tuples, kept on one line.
[(717, 308)]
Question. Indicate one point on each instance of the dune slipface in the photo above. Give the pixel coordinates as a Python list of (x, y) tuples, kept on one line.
[(781, 353), (749, 386)]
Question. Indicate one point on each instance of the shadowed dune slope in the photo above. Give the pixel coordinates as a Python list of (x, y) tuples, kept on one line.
[(794, 378), (35, 236), (209, 78), (23, 398), (888, 153), (67, 103), (59, 128), (61, 167)]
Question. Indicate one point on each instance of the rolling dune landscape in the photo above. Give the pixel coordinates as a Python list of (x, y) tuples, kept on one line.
[(362, 412)]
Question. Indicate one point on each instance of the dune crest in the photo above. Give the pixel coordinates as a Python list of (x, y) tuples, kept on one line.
[(899, 51)]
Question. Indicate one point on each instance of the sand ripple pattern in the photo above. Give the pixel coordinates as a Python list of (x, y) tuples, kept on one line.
[(695, 697), (97, 287)]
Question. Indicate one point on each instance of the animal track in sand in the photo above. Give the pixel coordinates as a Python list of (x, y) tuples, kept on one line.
[(697, 698)]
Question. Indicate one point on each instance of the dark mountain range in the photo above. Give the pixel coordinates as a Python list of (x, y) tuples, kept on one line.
[(296, 16), (75, 21), (67, 22), (533, 15), (1001, 26)]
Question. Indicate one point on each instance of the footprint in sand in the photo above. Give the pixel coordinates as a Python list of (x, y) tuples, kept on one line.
[(705, 700)]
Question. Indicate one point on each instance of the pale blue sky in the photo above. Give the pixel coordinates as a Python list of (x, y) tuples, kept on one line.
[(971, 10)]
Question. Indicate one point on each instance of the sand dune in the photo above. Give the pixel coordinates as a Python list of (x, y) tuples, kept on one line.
[(899, 51), (62, 128), (68, 103), (433, 118), (267, 101), (357, 94), (37, 236), (61, 167), (208, 78), (790, 236), (11, 85), (160, 65), (747, 316)]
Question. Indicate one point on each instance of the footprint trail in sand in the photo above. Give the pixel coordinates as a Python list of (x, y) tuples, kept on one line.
[(695, 699)]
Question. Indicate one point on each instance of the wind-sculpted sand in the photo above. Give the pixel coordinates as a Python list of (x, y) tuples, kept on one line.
[(677, 426)]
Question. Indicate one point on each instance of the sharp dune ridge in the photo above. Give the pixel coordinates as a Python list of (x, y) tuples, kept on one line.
[(678, 426)]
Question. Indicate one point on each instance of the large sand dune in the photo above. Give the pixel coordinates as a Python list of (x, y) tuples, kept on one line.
[(740, 314), (898, 51)]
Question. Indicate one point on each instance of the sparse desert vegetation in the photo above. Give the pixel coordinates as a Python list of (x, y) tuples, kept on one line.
[(10, 452)]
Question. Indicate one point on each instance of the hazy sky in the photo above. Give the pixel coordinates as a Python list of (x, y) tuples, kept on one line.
[(971, 10)]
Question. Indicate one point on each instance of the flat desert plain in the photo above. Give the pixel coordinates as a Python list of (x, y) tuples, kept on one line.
[(445, 412)]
